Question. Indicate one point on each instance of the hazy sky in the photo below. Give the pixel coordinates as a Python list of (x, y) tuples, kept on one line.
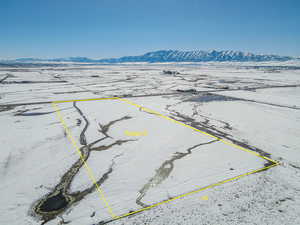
[(109, 28)]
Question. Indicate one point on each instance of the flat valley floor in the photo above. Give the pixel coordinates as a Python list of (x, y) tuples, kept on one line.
[(169, 143)]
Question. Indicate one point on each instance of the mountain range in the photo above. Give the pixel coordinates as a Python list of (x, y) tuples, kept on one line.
[(173, 56)]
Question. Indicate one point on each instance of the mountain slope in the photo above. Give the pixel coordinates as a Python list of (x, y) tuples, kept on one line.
[(176, 56), (197, 56)]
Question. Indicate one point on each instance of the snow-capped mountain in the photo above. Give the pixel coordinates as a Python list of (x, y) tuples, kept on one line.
[(198, 56), (176, 56)]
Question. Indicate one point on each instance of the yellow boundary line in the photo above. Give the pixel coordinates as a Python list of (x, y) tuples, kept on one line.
[(83, 100), (198, 190), (195, 129), (274, 163), (88, 169)]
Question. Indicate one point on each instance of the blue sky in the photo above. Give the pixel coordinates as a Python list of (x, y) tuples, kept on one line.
[(111, 28)]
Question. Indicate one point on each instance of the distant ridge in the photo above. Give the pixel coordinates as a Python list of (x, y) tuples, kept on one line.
[(174, 56)]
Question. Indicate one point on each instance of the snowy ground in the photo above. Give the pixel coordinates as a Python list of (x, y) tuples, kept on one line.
[(137, 157)]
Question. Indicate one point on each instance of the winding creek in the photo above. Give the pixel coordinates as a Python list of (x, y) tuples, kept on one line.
[(61, 198)]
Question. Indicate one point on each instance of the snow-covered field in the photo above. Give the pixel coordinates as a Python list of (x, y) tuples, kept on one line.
[(88, 162)]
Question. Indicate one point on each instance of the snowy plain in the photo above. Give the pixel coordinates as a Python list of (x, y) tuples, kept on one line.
[(149, 159)]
